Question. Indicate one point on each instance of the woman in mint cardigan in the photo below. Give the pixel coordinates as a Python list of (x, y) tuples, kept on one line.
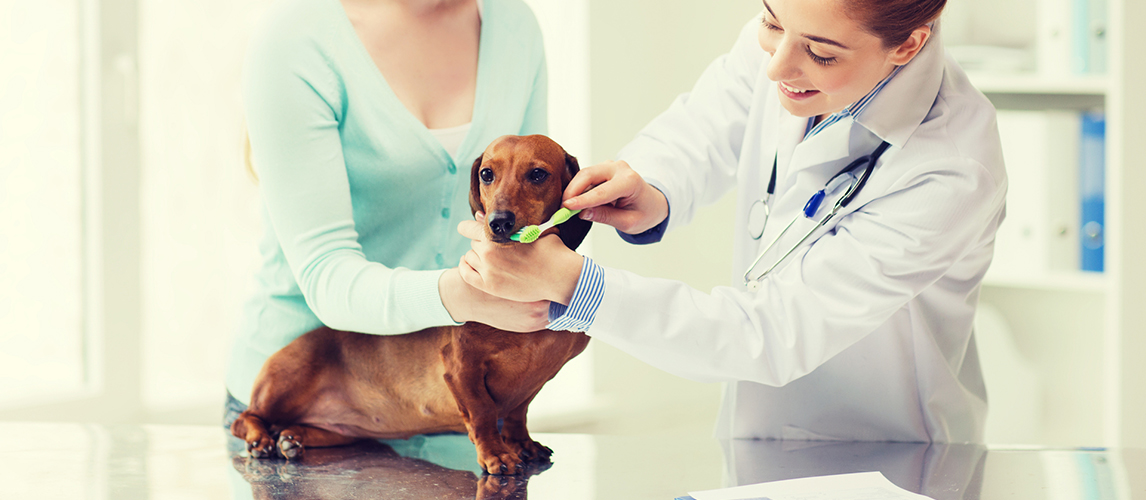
[(364, 117)]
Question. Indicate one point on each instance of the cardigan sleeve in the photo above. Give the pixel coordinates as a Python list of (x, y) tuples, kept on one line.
[(294, 103)]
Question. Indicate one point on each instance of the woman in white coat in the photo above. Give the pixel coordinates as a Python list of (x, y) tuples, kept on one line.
[(856, 329)]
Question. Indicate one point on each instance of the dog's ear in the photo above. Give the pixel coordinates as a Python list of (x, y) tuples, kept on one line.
[(574, 230), (571, 167), (475, 187)]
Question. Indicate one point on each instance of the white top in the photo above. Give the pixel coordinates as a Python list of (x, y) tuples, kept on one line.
[(451, 138), (865, 332)]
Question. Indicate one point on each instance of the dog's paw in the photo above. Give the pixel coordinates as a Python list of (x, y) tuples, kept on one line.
[(261, 447), (507, 463), (290, 446), (531, 451)]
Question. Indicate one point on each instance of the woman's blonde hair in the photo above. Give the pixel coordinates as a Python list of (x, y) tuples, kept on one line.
[(247, 156)]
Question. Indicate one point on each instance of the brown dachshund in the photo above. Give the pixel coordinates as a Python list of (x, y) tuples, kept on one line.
[(331, 388)]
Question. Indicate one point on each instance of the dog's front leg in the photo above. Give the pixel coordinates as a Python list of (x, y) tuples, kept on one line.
[(479, 412), (516, 436)]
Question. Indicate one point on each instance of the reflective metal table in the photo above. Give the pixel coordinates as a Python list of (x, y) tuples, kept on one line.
[(81, 461)]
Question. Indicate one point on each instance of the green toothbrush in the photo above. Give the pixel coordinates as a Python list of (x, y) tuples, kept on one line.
[(529, 234)]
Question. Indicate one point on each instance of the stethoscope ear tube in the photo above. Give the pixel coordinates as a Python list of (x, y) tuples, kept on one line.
[(871, 159)]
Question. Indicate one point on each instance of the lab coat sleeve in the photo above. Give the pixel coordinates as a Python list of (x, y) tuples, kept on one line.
[(829, 296), (294, 102), (691, 151)]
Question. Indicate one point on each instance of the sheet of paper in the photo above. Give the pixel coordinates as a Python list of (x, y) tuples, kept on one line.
[(858, 486)]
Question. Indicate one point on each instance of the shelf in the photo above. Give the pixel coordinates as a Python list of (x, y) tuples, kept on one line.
[(995, 83), (1058, 281)]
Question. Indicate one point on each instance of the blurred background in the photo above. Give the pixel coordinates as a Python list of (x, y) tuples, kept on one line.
[(128, 225)]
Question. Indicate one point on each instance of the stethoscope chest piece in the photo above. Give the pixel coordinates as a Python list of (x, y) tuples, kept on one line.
[(758, 218)]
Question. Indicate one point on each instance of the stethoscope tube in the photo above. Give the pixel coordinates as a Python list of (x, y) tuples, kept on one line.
[(812, 207)]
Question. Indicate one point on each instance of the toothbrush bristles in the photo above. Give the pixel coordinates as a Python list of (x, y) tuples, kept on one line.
[(529, 234)]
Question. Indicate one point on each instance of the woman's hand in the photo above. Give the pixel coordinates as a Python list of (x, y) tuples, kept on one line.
[(466, 303), (543, 270), (612, 193)]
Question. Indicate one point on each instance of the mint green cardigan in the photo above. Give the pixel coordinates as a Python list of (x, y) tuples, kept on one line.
[(361, 203)]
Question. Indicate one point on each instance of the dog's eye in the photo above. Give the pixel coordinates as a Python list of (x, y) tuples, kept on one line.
[(538, 175), (486, 175)]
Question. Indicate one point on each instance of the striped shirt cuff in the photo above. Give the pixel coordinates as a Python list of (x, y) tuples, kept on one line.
[(578, 315)]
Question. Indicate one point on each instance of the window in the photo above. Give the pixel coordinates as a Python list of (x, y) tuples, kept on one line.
[(41, 199)]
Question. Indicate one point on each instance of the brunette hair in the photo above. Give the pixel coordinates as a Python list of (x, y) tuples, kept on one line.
[(893, 20)]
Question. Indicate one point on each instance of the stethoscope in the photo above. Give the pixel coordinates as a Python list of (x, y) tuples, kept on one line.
[(759, 211)]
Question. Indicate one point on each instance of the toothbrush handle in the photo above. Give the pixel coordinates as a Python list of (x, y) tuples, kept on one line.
[(563, 214)]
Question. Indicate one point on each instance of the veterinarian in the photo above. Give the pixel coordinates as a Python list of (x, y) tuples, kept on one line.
[(856, 326), (364, 117)]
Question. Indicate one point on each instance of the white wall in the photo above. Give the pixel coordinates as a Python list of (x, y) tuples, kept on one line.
[(643, 54)]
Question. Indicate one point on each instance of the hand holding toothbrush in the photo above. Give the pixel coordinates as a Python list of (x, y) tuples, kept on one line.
[(613, 193)]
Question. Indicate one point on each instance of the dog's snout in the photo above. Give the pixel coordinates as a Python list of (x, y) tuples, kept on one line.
[(501, 223)]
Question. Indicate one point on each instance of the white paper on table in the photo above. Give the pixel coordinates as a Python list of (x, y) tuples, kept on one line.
[(858, 486)]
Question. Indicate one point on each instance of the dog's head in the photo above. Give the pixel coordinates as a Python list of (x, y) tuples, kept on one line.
[(518, 182)]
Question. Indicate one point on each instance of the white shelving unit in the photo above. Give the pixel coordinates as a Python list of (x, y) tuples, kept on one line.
[(1053, 281), (1040, 85), (1085, 333)]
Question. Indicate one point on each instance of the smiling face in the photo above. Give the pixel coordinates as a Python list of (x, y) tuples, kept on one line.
[(823, 60)]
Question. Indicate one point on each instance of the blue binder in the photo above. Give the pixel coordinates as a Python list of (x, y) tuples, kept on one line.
[(1092, 191)]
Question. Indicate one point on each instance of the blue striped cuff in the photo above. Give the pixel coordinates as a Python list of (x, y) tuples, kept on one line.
[(578, 315)]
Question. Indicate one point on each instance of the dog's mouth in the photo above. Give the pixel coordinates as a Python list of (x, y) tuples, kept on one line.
[(504, 237), (500, 239)]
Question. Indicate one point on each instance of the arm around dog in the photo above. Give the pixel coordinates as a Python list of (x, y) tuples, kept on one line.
[(467, 303)]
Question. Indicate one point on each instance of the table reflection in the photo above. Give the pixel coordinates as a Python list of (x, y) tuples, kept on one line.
[(423, 467), (131, 462), (939, 471)]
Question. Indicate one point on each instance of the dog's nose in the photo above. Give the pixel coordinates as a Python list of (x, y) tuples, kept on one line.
[(501, 223)]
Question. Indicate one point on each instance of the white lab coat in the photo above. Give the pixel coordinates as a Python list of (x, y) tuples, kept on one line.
[(865, 332)]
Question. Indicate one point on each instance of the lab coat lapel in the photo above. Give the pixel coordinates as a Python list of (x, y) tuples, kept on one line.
[(796, 154), (902, 105), (791, 133), (830, 144)]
